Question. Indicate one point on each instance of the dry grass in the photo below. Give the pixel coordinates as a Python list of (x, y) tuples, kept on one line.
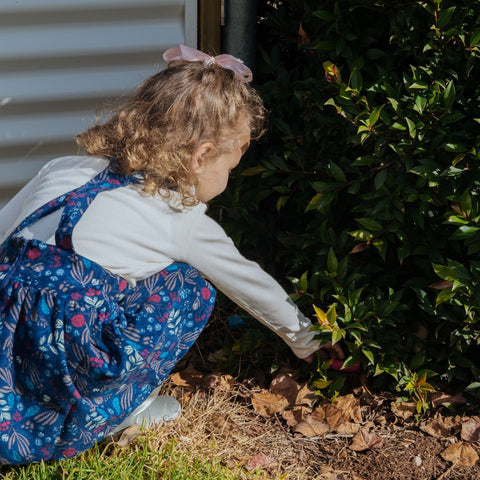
[(221, 424)]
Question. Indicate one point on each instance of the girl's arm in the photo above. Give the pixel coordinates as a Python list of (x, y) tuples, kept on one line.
[(213, 253), (11, 212)]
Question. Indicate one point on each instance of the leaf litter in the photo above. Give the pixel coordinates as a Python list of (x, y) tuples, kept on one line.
[(275, 427), (285, 431)]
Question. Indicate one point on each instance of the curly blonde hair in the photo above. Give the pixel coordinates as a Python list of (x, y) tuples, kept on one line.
[(156, 131)]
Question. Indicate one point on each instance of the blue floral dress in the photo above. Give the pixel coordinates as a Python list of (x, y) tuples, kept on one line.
[(79, 347)]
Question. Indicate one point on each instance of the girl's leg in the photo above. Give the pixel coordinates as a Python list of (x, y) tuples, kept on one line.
[(165, 313)]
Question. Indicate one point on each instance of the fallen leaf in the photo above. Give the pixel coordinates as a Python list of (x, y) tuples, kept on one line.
[(260, 460), (306, 396), (189, 378), (311, 427), (348, 428), (286, 386), (440, 427), (218, 381), (220, 424), (364, 440), (461, 454), (439, 398), (329, 474), (129, 435), (295, 415), (268, 403), (471, 429), (403, 409), (345, 409)]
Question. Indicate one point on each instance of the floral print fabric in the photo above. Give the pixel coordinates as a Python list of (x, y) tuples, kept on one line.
[(80, 347)]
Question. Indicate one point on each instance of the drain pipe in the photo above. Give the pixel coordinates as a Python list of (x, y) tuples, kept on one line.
[(239, 22)]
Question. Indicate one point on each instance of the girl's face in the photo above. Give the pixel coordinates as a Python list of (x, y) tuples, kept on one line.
[(212, 172)]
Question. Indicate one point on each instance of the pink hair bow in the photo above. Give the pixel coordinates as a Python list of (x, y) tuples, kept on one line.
[(189, 54)]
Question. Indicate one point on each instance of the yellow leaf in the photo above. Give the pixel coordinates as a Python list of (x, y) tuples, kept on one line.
[(322, 318), (422, 379)]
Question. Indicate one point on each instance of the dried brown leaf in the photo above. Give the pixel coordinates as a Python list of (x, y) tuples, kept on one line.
[(303, 37), (129, 435), (403, 410), (268, 403), (345, 409), (311, 427), (286, 386), (306, 396), (358, 248), (440, 427), (441, 285), (348, 428), (260, 460), (364, 440), (295, 415), (218, 381), (189, 378), (439, 398), (471, 429), (328, 473), (461, 454)]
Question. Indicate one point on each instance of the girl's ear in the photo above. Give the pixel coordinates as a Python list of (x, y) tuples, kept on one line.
[(200, 156)]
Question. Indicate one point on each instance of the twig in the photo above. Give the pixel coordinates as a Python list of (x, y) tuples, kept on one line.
[(447, 471)]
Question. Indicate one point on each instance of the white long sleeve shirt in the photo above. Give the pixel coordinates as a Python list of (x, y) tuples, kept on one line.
[(135, 235)]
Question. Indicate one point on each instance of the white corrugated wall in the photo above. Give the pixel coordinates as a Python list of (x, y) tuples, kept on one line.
[(60, 60)]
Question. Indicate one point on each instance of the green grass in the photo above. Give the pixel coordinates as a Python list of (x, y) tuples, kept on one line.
[(136, 462)]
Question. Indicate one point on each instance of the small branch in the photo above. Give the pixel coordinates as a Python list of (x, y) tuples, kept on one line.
[(447, 471)]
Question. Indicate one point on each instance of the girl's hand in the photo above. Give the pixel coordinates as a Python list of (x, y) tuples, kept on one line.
[(334, 351), (337, 356)]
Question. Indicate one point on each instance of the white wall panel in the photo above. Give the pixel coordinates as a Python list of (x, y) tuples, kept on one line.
[(61, 60)]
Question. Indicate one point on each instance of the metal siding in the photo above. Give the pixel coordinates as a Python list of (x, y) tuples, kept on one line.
[(61, 60)]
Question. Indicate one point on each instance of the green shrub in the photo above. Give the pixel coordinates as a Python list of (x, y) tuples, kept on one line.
[(365, 191)]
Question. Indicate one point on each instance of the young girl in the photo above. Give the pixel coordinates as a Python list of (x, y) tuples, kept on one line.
[(105, 260)]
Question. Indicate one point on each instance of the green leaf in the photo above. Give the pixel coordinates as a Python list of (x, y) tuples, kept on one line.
[(337, 336), (449, 95), (368, 353), (355, 80), (332, 263), (399, 126), (303, 284), (324, 15), (412, 129), (455, 147), (420, 103), (445, 16), (374, 115), (332, 315), (370, 224), (393, 102), (282, 201), (248, 172), (475, 38), (323, 187), (375, 53), (454, 271), (380, 178), (336, 172), (466, 231), (418, 86)]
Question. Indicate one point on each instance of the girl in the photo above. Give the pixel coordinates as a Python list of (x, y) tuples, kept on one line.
[(105, 260)]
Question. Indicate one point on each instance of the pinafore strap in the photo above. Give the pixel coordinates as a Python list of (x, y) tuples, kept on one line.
[(75, 203)]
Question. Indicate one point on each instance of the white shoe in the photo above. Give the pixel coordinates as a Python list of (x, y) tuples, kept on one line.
[(156, 409)]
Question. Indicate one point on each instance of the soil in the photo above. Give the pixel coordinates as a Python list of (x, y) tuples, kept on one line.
[(267, 442), (407, 453)]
